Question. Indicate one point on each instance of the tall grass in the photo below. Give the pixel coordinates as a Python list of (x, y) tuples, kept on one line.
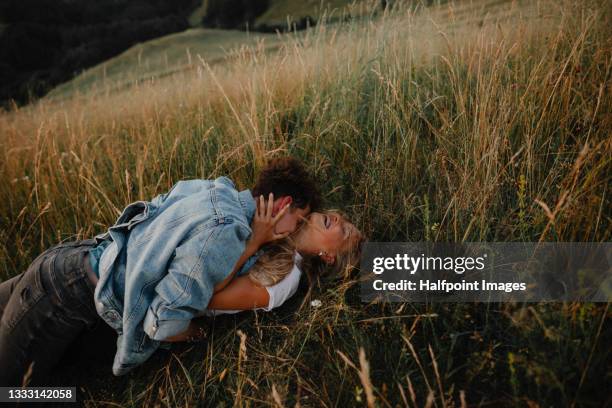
[(471, 121)]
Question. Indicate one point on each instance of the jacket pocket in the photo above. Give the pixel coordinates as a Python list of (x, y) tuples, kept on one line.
[(69, 268)]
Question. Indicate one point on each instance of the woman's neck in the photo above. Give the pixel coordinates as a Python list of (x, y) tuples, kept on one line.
[(302, 245)]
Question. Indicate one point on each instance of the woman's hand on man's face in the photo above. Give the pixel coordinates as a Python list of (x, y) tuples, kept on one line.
[(263, 222)]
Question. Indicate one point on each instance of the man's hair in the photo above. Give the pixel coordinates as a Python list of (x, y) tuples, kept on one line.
[(287, 176)]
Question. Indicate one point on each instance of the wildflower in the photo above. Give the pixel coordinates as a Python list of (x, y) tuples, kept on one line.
[(316, 303), (18, 179)]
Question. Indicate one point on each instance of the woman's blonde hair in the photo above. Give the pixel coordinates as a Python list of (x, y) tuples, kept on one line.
[(278, 259), (274, 264)]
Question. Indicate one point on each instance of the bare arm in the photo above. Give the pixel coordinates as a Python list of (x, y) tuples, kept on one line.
[(241, 294)]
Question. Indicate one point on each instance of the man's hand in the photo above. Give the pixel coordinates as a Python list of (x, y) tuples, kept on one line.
[(262, 229), (263, 223)]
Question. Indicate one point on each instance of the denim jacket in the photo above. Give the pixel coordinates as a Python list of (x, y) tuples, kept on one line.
[(164, 258)]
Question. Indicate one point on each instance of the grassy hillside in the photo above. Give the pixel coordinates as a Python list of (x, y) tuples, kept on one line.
[(161, 57), (474, 121), (176, 53)]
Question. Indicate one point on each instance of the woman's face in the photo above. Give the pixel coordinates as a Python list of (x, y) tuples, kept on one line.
[(329, 233)]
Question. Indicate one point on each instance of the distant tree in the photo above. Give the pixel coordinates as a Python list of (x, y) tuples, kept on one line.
[(49, 41), (233, 13)]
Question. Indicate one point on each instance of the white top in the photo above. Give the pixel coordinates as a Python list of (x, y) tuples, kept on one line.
[(279, 292)]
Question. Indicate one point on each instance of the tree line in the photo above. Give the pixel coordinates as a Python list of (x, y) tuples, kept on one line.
[(47, 42)]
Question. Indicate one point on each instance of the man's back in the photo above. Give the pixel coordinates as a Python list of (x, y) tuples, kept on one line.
[(165, 257)]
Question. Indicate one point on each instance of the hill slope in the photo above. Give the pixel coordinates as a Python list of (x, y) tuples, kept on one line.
[(160, 57), (179, 51)]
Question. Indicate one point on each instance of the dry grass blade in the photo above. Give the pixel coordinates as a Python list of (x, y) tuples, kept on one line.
[(277, 398), (437, 373), (242, 352), (364, 374)]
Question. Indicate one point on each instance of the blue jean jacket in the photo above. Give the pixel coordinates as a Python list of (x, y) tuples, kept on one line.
[(163, 260)]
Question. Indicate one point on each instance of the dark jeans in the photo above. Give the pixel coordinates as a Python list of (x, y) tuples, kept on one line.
[(43, 310)]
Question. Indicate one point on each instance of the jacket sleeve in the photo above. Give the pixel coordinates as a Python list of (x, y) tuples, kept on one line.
[(197, 266)]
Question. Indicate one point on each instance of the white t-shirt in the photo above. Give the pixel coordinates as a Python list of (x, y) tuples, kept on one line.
[(279, 292)]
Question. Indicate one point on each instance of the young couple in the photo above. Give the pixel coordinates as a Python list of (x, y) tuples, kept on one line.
[(203, 248)]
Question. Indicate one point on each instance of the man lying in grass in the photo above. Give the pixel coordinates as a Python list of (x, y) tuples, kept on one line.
[(192, 251)]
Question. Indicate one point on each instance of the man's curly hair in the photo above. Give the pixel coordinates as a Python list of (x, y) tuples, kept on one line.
[(287, 176)]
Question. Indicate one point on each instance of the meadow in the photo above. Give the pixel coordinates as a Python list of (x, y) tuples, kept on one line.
[(465, 121)]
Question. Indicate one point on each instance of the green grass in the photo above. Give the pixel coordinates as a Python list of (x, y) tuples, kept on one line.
[(476, 121)]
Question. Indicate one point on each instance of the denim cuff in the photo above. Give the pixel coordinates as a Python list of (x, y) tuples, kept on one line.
[(160, 330)]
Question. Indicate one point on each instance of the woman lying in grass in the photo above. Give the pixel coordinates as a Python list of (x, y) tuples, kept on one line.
[(275, 276), (194, 250)]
